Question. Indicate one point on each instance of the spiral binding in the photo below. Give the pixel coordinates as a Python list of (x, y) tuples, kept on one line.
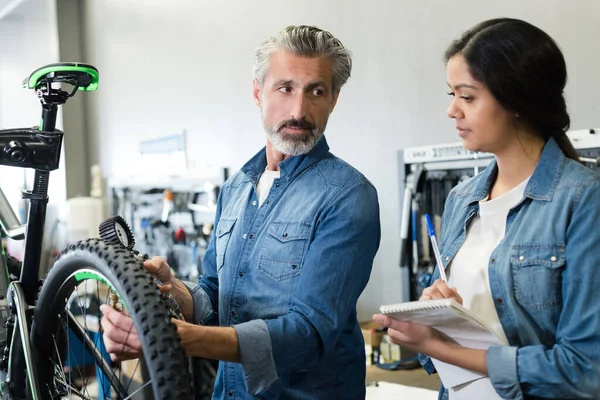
[(416, 306)]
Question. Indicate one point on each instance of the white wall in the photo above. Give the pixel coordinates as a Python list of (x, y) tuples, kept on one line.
[(170, 65)]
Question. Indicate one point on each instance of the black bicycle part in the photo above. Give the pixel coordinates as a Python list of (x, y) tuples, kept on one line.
[(30, 148), (116, 231)]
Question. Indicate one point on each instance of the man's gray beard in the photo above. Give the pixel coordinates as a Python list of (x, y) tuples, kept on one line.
[(294, 144)]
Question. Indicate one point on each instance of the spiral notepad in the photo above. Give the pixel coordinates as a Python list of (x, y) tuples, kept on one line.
[(447, 316), (455, 321)]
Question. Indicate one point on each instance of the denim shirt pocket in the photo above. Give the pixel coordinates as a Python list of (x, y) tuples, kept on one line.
[(222, 235), (283, 250), (537, 270)]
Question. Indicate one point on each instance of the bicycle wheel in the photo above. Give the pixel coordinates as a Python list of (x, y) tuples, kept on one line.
[(66, 333)]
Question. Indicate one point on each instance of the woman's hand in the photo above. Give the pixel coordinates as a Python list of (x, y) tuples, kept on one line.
[(440, 290), (418, 338)]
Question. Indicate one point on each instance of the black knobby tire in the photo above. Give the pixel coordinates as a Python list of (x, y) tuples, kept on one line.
[(165, 359)]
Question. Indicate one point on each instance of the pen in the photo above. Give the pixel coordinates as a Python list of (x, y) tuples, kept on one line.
[(436, 249)]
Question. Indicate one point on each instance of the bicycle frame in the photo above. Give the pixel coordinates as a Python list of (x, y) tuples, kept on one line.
[(38, 149)]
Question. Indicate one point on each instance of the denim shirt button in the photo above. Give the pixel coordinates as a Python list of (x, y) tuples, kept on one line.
[(521, 258), (447, 258), (244, 236), (230, 393), (499, 300), (553, 258), (233, 313), (254, 203), (285, 235)]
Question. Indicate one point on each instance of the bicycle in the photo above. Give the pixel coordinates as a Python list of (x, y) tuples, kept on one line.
[(53, 347)]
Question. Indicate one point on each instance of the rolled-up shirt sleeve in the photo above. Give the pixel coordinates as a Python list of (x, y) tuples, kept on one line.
[(256, 354), (203, 311)]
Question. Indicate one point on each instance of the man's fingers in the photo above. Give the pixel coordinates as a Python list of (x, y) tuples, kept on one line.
[(165, 288), (158, 266), (119, 329), (119, 320), (120, 350), (127, 338)]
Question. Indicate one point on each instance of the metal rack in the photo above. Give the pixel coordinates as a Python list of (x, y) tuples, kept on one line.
[(427, 174), (170, 217)]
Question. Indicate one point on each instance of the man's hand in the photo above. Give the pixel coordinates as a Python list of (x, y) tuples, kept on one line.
[(159, 267), (439, 290), (120, 336), (170, 284)]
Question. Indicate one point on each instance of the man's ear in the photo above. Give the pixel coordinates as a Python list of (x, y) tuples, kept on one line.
[(257, 92), (334, 100)]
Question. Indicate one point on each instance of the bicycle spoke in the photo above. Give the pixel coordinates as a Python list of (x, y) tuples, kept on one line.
[(133, 374), (97, 355), (132, 394), (81, 374)]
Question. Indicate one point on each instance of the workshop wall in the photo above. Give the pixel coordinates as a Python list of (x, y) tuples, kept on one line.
[(170, 66)]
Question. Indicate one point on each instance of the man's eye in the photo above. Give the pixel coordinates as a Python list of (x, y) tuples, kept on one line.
[(318, 92), (285, 89)]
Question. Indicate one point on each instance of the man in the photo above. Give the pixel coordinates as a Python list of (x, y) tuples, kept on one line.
[(296, 232)]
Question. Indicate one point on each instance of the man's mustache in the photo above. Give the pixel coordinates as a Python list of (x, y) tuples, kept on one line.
[(301, 123)]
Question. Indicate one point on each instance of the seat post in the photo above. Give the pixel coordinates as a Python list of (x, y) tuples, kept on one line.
[(38, 201)]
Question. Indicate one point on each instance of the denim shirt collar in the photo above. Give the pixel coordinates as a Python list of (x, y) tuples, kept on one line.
[(291, 167), (543, 182)]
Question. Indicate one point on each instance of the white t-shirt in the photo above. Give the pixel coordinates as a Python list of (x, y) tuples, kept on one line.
[(265, 183), (468, 271)]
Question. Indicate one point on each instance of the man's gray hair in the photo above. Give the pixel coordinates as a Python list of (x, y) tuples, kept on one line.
[(305, 41)]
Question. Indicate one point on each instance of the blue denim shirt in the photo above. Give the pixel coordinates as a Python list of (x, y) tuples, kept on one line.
[(544, 278), (287, 276)]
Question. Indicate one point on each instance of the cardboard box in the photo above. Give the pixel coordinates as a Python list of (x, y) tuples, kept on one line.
[(372, 335), (391, 352)]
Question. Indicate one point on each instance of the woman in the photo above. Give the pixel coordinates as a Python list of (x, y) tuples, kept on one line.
[(520, 242)]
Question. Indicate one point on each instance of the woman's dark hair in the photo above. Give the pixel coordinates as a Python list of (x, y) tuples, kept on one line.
[(525, 71)]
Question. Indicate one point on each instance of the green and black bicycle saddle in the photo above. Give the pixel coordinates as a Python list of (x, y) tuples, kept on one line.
[(83, 76)]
